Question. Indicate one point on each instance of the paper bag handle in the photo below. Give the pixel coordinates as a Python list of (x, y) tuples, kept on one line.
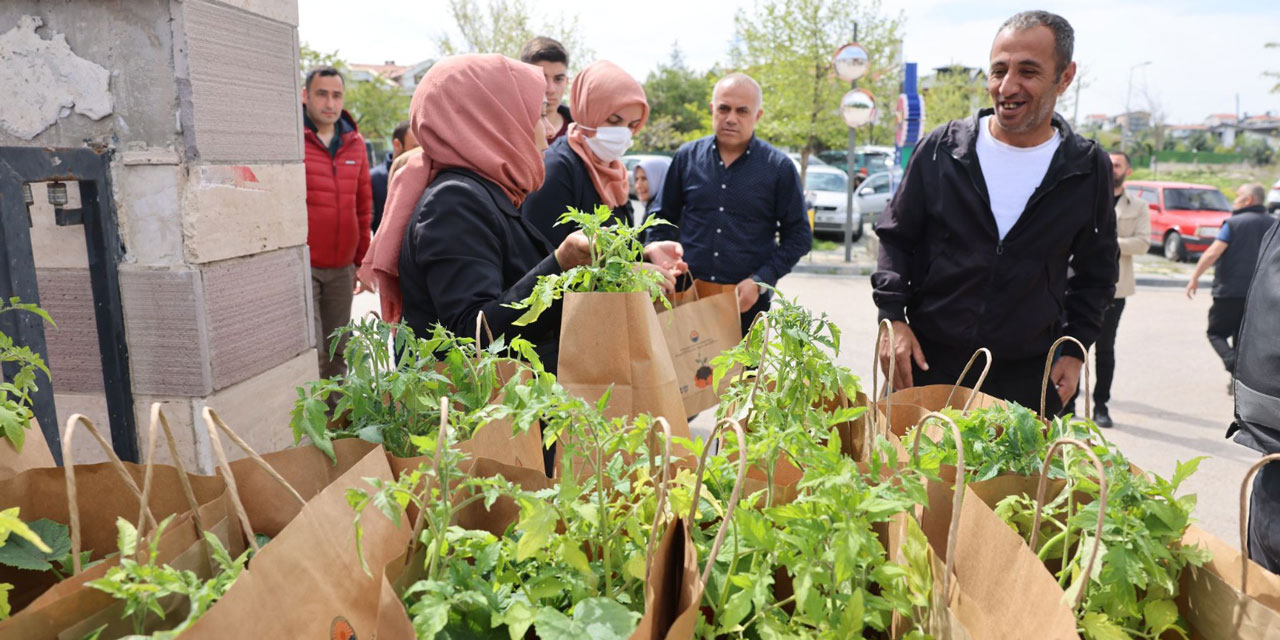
[(1244, 516), (885, 331), (481, 321), (69, 471), (762, 317), (982, 351), (1102, 503), (158, 419), (661, 488), (421, 521), (1048, 368), (958, 501), (733, 497), (213, 423)]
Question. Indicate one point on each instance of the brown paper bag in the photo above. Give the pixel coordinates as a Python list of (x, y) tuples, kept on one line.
[(702, 323), (614, 341), (997, 588), (91, 498), (35, 454), (1231, 596), (313, 559)]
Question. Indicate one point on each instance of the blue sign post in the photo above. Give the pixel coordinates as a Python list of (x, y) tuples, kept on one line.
[(910, 116)]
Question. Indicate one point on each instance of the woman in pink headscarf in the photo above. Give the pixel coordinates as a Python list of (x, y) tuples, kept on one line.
[(453, 243), (584, 168)]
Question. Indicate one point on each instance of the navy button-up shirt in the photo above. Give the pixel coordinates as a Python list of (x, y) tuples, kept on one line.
[(737, 222)]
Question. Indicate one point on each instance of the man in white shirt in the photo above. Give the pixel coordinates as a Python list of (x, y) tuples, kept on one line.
[(975, 245)]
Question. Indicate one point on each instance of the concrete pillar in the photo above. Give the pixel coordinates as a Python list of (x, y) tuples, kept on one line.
[(200, 111)]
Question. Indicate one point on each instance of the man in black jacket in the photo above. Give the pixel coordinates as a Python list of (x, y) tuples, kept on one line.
[(402, 140), (1257, 380), (1235, 252), (1002, 222)]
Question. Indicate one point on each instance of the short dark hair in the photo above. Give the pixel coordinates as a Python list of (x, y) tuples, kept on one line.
[(400, 131), (1117, 152), (1064, 37), (323, 72), (543, 49)]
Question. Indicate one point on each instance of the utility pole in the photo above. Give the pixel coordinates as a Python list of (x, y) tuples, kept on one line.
[(848, 210)]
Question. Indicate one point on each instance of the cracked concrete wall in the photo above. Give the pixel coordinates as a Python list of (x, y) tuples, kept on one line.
[(197, 100)]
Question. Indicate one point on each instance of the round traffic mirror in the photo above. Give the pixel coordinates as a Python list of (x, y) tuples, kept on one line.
[(858, 107), (851, 62)]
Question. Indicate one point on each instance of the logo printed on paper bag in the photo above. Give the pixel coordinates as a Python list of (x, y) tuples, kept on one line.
[(693, 336), (340, 629)]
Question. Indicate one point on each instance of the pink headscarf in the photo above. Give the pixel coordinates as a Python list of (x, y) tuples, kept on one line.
[(599, 91), (474, 112)]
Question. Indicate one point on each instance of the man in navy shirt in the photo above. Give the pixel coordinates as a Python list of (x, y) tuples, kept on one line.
[(736, 201)]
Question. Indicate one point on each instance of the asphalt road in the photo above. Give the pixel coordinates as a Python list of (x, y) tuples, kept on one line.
[(1169, 400)]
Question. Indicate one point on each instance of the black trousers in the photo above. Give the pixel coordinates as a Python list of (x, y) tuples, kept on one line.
[(1264, 518), (1225, 317), (1105, 358), (761, 305), (1014, 380)]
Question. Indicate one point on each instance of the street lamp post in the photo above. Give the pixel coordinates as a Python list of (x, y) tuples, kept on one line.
[(857, 107), (1128, 113)]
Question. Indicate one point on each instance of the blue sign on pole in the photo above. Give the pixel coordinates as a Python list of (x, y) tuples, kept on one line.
[(910, 116)]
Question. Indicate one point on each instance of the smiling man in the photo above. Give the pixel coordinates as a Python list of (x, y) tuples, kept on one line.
[(1003, 225)]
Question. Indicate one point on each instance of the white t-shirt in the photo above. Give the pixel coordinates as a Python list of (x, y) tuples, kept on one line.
[(1011, 173)]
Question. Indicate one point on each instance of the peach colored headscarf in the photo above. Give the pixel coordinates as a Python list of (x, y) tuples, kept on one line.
[(598, 92), (474, 112)]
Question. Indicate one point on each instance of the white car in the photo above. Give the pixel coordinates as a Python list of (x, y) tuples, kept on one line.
[(826, 190), (1273, 198)]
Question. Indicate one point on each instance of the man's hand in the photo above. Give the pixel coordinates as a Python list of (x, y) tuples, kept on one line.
[(904, 349), (667, 254), (362, 286), (575, 251), (1065, 376), (668, 277), (1192, 287), (748, 294)]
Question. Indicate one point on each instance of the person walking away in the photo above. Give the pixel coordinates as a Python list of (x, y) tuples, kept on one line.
[(402, 140), (1002, 222), (735, 201), (584, 168), (1133, 233), (339, 208), (1235, 253), (552, 57), (1257, 398), (649, 177)]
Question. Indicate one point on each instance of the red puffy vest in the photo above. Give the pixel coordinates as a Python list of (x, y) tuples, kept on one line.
[(339, 198)]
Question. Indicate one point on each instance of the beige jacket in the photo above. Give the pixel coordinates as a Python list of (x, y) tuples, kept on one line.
[(1133, 230)]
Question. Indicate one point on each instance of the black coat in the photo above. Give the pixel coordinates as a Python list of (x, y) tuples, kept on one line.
[(567, 185), (466, 250), (943, 265)]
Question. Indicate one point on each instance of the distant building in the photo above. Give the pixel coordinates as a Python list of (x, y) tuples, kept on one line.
[(1096, 122), (405, 77), (1137, 120), (1184, 131)]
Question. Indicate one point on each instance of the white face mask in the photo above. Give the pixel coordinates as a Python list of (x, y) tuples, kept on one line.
[(610, 143)]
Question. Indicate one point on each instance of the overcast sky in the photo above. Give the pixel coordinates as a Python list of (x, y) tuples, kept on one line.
[(1203, 53)]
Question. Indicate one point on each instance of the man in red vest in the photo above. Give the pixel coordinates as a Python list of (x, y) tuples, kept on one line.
[(339, 208)]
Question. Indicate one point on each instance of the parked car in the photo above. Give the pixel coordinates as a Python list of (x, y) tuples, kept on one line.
[(1185, 217), (814, 160), (1273, 198), (826, 190), (866, 160)]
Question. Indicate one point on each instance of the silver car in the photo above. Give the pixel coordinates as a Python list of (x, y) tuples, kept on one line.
[(825, 187)]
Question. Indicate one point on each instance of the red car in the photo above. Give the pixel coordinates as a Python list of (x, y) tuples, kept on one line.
[(1185, 217)]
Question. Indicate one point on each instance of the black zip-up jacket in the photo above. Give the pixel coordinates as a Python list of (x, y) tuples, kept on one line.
[(567, 185), (945, 270)]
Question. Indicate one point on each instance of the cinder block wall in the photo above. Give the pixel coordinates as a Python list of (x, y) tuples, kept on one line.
[(207, 177)]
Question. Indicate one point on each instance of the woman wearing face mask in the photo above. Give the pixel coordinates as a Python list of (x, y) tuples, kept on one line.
[(650, 175), (583, 168), (453, 243)]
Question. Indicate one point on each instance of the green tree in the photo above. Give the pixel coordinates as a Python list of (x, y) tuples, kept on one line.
[(679, 104), (954, 95), (787, 46), (1258, 152), (377, 105), (1199, 141), (503, 26)]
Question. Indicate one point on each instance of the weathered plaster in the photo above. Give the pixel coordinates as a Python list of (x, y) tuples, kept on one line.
[(46, 81)]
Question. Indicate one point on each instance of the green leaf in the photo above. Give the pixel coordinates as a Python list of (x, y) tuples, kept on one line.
[(126, 537), (1097, 626), (517, 618), (537, 522), (595, 618), (22, 553), (1160, 615)]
